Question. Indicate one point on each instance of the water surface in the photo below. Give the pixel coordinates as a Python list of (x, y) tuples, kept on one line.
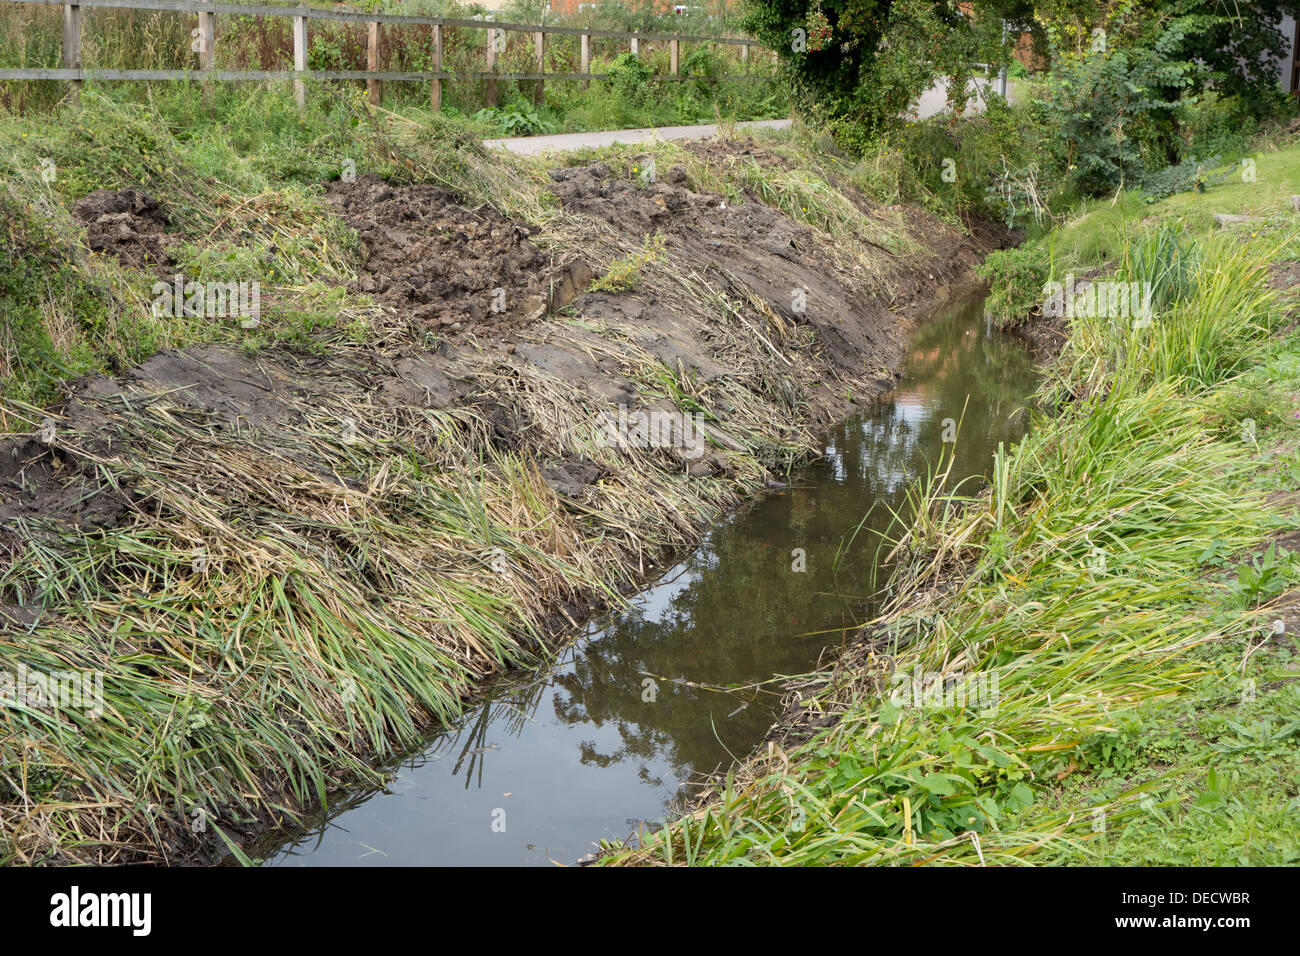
[(550, 764)]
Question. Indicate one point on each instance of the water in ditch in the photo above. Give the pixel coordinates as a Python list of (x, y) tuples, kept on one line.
[(599, 745)]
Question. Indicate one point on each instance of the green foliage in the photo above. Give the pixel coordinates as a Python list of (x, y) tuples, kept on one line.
[(1263, 577), (998, 163), (628, 77), (859, 64), (1125, 99), (325, 52), (1190, 174), (59, 320), (1112, 112), (625, 273), (516, 119), (1215, 124), (1016, 278), (1167, 258)]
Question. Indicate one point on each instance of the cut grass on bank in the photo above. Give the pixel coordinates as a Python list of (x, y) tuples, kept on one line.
[(1101, 591)]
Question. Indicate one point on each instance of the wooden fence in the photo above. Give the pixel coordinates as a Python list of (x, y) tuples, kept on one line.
[(206, 37)]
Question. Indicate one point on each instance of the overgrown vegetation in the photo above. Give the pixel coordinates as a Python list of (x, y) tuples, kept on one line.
[(634, 94), (1158, 96)]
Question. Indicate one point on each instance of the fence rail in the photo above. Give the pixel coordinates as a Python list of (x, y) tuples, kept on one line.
[(206, 35)]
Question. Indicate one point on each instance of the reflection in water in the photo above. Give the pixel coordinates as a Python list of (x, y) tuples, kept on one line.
[(551, 764)]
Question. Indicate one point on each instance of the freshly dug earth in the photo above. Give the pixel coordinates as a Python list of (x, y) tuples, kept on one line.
[(39, 488), (250, 535), (442, 264), (751, 245), (129, 225)]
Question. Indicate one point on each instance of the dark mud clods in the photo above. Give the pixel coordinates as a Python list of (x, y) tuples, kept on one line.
[(130, 225)]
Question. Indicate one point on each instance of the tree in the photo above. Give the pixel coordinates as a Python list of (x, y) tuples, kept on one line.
[(1118, 82), (860, 64)]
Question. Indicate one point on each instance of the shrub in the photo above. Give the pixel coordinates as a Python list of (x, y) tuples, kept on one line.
[(1016, 278), (629, 78)]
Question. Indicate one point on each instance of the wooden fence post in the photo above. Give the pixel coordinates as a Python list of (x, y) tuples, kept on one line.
[(300, 60), (672, 57), (539, 42), (372, 61), (586, 59), (491, 92), (636, 46), (207, 40), (435, 90), (744, 57), (72, 40)]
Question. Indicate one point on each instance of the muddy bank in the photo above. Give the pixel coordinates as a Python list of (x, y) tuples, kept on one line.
[(433, 506), (591, 757)]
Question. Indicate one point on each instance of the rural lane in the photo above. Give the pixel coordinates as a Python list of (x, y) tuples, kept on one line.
[(931, 102), (532, 145)]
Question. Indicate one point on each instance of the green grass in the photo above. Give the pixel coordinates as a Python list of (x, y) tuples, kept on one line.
[(1211, 778), (1095, 235)]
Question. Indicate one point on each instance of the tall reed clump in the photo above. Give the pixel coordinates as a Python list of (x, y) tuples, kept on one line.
[(1210, 309), (1058, 602)]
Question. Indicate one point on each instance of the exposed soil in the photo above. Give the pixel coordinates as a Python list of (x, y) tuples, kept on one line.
[(1046, 336), (446, 266), (755, 247), (722, 152), (42, 491), (128, 224)]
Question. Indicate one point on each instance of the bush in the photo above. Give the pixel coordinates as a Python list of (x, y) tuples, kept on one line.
[(517, 118), (999, 163), (629, 78), (1113, 115), (1215, 125), (859, 66), (1016, 278)]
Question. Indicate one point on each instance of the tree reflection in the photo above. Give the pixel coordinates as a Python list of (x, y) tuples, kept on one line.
[(739, 613)]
